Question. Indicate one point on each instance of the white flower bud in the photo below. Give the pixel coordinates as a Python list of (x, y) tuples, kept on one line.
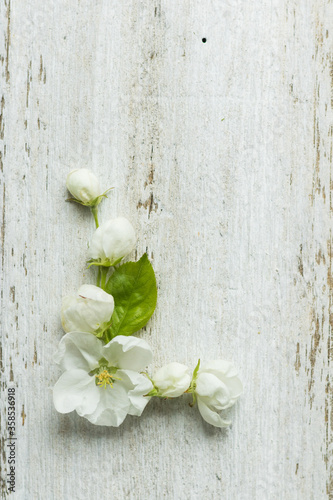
[(112, 241), (83, 185), (90, 311), (172, 380), (217, 387)]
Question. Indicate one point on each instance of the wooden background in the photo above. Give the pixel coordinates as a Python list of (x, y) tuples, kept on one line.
[(235, 216)]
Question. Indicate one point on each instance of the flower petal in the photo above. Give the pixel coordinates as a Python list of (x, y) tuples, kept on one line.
[(210, 416), (83, 185), (235, 387), (75, 390), (96, 245), (112, 408), (213, 391), (95, 306), (172, 380), (207, 385), (137, 386), (225, 372), (128, 353), (218, 366), (119, 238), (93, 292), (88, 311), (113, 240), (71, 320), (79, 350)]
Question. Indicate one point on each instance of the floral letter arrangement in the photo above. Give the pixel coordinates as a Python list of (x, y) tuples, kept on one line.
[(103, 365)]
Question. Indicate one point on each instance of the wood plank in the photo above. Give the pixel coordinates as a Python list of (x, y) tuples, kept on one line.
[(221, 156)]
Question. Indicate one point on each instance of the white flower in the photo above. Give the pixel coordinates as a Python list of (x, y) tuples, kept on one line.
[(217, 387), (101, 382), (83, 185), (172, 380), (90, 311), (112, 241)]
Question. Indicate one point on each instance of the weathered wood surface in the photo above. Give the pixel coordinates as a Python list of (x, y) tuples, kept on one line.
[(235, 214)]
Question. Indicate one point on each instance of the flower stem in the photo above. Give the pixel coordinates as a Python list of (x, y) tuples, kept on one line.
[(94, 211), (104, 272), (193, 385), (99, 276)]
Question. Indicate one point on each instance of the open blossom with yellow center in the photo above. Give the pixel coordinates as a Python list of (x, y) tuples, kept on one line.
[(104, 379), (102, 382)]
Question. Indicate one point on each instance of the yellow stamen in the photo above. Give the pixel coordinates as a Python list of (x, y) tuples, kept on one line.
[(105, 378)]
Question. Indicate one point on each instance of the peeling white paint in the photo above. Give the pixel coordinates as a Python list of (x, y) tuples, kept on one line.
[(235, 215)]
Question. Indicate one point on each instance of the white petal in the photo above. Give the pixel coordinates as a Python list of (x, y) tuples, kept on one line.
[(235, 387), (95, 306), (70, 318), (129, 353), (96, 245), (207, 385), (172, 380), (94, 293), (119, 238), (219, 366), (89, 311), (112, 408), (211, 417), (213, 391), (137, 386), (79, 350), (73, 319), (75, 390), (83, 185), (225, 372)]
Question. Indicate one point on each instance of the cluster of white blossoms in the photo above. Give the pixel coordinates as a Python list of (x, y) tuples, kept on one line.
[(104, 377)]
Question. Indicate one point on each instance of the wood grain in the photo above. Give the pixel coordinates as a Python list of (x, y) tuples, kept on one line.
[(221, 156)]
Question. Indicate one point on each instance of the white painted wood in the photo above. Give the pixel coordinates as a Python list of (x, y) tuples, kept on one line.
[(235, 214)]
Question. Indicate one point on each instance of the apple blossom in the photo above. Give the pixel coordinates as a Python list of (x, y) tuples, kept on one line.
[(102, 364), (112, 241), (84, 186), (90, 311), (216, 386), (101, 382), (171, 380)]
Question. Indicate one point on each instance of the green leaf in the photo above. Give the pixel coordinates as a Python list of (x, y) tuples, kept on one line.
[(133, 287)]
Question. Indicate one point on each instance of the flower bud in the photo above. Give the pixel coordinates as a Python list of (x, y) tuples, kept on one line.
[(217, 387), (84, 186), (112, 241), (90, 311), (172, 380)]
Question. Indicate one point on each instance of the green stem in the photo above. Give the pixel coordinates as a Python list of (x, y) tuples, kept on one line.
[(99, 276), (94, 211), (193, 385), (107, 336), (104, 272)]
